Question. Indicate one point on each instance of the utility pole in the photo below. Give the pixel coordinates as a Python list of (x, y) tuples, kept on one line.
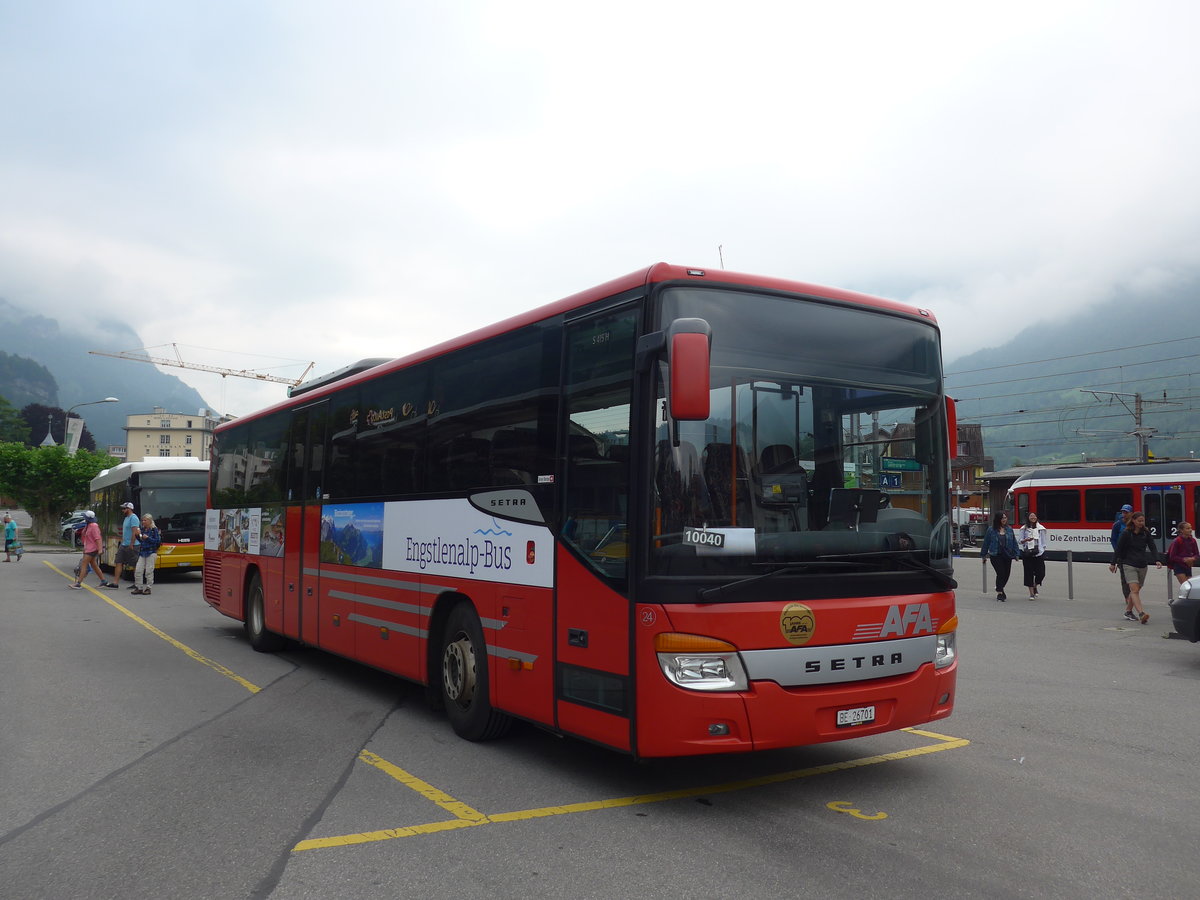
[(1140, 432)]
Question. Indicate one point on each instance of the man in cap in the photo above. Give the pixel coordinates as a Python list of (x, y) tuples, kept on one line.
[(1122, 522), (127, 554)]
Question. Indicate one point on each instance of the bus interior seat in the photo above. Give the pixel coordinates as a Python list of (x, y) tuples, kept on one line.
[(514, 453), (618, 453), (580, 446), (467, 461), (777, 459)]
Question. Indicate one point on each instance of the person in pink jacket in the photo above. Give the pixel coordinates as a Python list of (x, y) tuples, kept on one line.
[(1183, 552), (92, 541)]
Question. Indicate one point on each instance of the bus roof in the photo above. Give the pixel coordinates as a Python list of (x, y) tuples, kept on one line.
[(122, 471), (656, 274)]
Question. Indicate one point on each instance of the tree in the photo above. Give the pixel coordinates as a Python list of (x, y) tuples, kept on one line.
[(42, 418), (46, 482), (12, 426)]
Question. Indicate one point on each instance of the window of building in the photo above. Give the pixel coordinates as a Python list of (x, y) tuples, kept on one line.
[(166, 451), (188, 439), (164, 439), (165, 423)]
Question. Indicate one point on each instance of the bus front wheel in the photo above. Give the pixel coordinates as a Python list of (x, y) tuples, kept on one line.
[(260, 638), (464, 677)]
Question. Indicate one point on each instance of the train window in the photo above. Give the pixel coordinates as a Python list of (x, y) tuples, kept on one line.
[(1102, 504), (1058, 506)]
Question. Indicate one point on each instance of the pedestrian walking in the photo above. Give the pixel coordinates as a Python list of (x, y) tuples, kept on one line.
[(92, 541), (1135, 551), (127, 555), (148, 543), (1032, 541), (1121, 523), (1183, 552), (1000, 546), (11, 543)]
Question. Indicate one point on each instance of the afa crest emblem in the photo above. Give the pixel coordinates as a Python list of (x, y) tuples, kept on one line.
[(797, 623)]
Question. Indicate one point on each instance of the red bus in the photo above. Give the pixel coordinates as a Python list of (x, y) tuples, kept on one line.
[(1079, 504), (683, 512)]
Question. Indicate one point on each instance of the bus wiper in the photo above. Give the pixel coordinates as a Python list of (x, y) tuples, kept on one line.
[(902, 556), (714, 592)]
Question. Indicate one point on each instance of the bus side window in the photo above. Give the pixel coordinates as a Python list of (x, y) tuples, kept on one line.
[(598, 389)]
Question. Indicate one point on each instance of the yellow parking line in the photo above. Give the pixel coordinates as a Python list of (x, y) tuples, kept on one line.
[(477, 818), (198, 657), (428, 791)]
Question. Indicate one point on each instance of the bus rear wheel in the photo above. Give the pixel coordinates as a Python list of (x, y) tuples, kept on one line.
[(260, 638), (464, 678)]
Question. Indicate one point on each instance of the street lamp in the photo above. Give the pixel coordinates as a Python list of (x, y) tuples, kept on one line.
[(73, 445)]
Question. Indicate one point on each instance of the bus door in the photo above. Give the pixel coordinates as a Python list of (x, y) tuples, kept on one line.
[(306, 464), (592, 616), (1163, 507)]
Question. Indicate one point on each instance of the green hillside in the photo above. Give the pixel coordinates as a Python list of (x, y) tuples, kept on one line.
[(1067, 390)]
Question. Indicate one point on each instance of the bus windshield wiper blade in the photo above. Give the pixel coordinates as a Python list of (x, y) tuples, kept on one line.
[(714, 592), (902, 556)]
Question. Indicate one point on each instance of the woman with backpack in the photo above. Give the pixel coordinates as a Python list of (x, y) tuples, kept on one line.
[(1135, 552), (147, 548)]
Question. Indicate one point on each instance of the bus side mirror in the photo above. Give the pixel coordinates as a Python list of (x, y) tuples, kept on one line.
[(952, 427), (688, 344)]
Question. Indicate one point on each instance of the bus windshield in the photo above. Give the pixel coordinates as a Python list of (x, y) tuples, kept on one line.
[(824, 451), (177, 501)]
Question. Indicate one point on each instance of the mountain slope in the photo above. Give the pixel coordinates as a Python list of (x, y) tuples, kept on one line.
[(1067, 390), (82, 377)]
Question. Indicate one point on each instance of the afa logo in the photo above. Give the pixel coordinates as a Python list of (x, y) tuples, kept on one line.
[(797, 623)]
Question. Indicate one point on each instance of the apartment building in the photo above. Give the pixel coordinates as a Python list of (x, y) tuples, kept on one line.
[(162, 433)]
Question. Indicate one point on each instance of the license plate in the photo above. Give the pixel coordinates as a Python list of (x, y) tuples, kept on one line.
[(859, 716)]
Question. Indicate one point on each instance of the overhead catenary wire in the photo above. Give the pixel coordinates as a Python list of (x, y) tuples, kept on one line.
[(1077, 421)]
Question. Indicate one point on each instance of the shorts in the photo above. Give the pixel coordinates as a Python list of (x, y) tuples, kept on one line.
[(127, 555), (1134, 575), (1185, 571)]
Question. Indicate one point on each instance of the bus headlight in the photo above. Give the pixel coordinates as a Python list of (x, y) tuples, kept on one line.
[(946, 651), (700, 663)]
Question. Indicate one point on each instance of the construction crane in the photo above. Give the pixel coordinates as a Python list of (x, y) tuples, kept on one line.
[(143, 356)]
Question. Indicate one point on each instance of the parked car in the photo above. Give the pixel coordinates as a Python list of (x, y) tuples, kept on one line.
[(1185, 610), (71, 529)]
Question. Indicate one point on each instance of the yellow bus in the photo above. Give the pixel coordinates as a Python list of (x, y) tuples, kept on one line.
[(173, 490)]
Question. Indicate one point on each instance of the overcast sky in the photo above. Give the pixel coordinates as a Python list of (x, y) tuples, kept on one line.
[(326, 181)]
